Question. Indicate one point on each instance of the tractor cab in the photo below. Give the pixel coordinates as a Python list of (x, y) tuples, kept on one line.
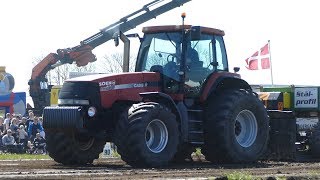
[(184, 55)]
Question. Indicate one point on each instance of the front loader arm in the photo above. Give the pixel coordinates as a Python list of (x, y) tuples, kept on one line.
[(82, 54), (39, 92)]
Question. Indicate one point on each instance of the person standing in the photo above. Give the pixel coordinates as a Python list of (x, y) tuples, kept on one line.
[(23, 121), (42, 133), (1, 129), (14, 129), (1, 125), (29, 120), (23, 136), (7, 121), (34, 128)]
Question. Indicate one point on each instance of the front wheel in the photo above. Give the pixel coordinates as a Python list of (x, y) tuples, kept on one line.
[(73, 148), (152, 135), (236, 127)]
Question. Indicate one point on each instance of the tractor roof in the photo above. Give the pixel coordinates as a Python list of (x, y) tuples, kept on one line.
[(177, 28)]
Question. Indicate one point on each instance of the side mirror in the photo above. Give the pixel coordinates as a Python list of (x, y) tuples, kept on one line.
[(236, 69)]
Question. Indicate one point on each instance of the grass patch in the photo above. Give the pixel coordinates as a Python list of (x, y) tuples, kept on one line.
[(198, 152), (8, 156), (239, 176), (314, 172), (281, 178), (115, 154)]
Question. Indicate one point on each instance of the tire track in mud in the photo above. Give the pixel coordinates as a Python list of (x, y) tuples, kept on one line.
[(114, 168)]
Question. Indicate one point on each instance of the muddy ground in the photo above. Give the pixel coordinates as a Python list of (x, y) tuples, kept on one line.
[(114, 168)]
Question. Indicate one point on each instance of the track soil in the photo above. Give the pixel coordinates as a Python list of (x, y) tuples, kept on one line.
[(115, 168)]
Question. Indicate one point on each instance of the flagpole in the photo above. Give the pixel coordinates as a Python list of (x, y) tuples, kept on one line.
[(270, 62)]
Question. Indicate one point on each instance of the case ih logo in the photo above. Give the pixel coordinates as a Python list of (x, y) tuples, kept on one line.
[(140, 85), (107, 85)]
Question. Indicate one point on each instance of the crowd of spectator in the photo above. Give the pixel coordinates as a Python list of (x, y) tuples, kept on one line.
[(22, 134)]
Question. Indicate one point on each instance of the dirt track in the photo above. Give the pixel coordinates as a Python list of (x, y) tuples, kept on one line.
[(114, 168)]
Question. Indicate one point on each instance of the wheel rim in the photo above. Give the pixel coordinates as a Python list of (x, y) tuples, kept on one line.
[(246, 128), (156, 136), (86, 144)]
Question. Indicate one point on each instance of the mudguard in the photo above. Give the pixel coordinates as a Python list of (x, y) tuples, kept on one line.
[(221, 81), (179, 109)]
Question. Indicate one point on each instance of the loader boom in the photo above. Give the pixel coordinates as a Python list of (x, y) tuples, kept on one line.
[(82, 54)]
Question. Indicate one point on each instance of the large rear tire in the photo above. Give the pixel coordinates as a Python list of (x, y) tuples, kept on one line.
[(73, 149), (150, 135), (236, 128)]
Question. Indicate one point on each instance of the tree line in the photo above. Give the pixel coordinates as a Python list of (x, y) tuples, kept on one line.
[(111, 63)]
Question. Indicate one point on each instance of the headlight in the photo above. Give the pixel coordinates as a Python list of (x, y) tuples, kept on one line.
[(73, 101), (92, 111)]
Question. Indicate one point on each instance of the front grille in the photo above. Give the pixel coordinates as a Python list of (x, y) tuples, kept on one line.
[(65, 117)]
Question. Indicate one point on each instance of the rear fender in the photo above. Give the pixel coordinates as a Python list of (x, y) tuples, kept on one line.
[(223, 83)]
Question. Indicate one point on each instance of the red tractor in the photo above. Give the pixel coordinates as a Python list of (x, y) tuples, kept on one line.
[(182, 96)]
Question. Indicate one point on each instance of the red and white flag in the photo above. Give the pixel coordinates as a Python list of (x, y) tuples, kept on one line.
[(260, 59)]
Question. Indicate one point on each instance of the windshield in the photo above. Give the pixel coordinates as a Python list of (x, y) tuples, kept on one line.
[(162, 52), (158, 50)]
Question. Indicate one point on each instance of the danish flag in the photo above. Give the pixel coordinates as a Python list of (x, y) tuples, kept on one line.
[(260, 59)]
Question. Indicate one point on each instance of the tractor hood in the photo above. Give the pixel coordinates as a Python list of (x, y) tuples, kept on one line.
[(122, 86), (120, 80)]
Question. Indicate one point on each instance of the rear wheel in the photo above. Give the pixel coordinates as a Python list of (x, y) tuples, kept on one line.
[(236, 127), (246, 128), (73, 149), (151, 135)]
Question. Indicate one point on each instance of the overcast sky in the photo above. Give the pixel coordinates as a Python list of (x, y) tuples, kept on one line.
[(34, 28)]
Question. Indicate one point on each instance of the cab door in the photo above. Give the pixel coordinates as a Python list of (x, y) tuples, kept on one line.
[(211, 57)]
